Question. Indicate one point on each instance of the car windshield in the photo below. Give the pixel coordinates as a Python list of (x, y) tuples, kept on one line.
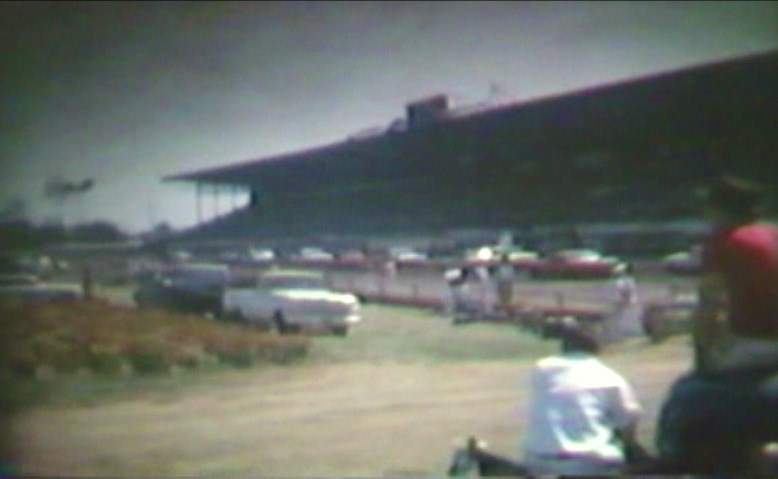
[(579, 254), (291, 282), (199, 275)]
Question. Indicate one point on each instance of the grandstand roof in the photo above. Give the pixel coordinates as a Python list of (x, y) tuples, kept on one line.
[(628, 104)]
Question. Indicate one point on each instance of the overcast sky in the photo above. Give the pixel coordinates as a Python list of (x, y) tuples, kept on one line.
[(127, 92)]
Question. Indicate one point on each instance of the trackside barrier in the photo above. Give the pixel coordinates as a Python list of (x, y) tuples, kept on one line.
[(402, 300)]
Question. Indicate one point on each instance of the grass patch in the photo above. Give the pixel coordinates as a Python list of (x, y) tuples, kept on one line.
[(409, 334)]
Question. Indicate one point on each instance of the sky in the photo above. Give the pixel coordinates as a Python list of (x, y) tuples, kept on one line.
[(125, 93)]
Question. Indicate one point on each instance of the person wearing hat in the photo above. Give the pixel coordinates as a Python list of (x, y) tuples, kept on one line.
[(737, 321), (718, 417), (583, 415)]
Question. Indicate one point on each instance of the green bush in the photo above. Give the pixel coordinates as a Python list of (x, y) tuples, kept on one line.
[(62, 354), (146, 357), (105, 338), (105, 360), (232, 350), (283, 352), (240, 358), (191, 357), (20, 362)]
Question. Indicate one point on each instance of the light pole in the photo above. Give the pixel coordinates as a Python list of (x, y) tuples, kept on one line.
[(61, 191)]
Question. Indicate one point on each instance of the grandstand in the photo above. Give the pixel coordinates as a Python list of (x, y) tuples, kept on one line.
[(631, 152)]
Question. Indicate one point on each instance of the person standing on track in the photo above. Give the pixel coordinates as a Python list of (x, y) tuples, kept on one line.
[(504, 277), (621, 295)]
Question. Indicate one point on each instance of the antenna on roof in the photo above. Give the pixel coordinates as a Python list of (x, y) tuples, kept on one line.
[(497, 92)]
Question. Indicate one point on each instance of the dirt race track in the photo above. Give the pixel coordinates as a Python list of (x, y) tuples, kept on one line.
[(389, 400)]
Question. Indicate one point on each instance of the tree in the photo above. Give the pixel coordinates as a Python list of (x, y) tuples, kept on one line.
[(14, 209), (98, 231), (20, 234)]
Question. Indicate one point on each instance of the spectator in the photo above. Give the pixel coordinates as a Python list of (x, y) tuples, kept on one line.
[(86, 282), (718, 417), (481, 290), (738, 316), (457, 280), (583, 415), (621, 294), (503, 279)]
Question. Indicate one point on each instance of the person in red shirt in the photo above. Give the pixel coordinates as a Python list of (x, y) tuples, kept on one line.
[(737, 319), (718, 417)]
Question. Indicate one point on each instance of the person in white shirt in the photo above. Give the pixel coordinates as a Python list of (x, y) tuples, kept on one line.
[(504, 277), (626, 310), (620, 289), (458, 303), (481, 290), (583, 415)]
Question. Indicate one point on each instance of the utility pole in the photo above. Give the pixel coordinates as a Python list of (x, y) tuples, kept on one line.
[(60, 191)]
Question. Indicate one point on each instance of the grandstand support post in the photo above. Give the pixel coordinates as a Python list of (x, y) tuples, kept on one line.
[(198, 194), (215, 201)]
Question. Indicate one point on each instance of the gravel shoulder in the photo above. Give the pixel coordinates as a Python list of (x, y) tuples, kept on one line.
[(389, 400)]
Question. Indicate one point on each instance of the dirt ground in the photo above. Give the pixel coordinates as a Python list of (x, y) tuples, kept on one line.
[(389, 400)]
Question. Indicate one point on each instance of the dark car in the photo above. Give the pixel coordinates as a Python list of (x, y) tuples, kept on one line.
[(193, 288)]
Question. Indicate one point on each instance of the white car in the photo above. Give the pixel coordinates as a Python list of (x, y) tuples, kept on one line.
[(314, 256), (293, 301), (261, 255), (684, 262), (490, 255), (408, 256)]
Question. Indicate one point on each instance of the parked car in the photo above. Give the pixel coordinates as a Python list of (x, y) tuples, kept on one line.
[(181, 256), (38, 266), (293, 301), (490, 256), (27, 288), (576, 263), (189, 288), (261, 255), (408, 256), (684, 262), (22, 279), (352, 258), (313, 256)]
